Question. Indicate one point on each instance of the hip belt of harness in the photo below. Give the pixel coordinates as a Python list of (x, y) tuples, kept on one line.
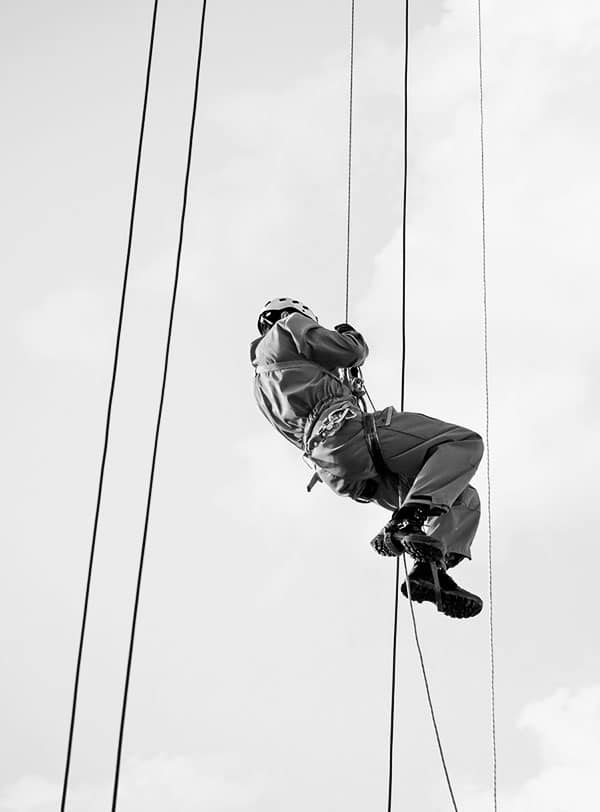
[(372, 440), (326, 419)]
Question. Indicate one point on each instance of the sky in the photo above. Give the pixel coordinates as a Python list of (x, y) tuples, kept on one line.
[(261, 678)]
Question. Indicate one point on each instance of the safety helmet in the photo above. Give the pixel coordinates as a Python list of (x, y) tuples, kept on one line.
[(269, 315)]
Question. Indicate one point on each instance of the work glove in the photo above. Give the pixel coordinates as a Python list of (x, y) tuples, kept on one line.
[(345, 328)]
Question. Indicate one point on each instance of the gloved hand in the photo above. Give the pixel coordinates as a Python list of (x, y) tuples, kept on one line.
[(345, 328)]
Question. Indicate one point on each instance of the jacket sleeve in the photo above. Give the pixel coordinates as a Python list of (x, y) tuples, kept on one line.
[(328, 348)]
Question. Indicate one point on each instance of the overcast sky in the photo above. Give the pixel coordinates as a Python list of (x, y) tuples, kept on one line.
[(262, 670)]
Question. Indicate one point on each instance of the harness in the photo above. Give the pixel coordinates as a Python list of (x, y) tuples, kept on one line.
[(373, 444), (330, 425), (346, 411), (331, 413), (355, 379), (323, 422), (326, 418)]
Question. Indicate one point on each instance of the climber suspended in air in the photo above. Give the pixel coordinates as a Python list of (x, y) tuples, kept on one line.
[(307, 384)]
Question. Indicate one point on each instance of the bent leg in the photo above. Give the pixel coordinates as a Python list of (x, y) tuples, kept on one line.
[(433, 460), (447, 470), (458, 526)]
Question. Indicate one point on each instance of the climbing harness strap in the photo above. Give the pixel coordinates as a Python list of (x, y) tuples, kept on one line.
[(345, 408), (436, 586), (333, 420), (384, 472), (353, 377), (324, 421), (374, 446), (279, 366), (314, 480)]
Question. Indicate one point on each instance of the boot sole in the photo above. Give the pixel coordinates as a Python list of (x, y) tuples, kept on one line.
[(453, 604), (381, 548)]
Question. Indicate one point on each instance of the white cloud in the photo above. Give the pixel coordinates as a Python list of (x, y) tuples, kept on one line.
[(155, 784), (541, 226), (29, 794), (567, 728), (269, 214)]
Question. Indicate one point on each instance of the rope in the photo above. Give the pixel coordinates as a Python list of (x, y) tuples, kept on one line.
[(108, 417), (487, 407), (393, 699), (350, 112), (402, 401), (160, 412), (427, 689), (404, 208), (402, 394)]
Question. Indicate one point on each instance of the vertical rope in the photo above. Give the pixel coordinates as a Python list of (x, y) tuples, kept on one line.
[(393, 698), (487, 406), (349, 190), (160, 412), (107, 424), (402, 403), (404, 208), (402, 397), (427, 689)]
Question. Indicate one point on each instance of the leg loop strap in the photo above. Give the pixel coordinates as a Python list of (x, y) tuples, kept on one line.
[(374, 446), (436, 586)]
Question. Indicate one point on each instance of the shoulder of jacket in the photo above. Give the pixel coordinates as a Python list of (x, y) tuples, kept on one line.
[(298, 322), (253, 347)]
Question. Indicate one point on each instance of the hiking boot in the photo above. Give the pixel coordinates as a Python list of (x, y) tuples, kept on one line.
[(404, 533), (454, 559), (389, 540), (452, 600)]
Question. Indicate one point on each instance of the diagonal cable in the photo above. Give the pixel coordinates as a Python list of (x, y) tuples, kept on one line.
[(108, 416), (160, 413)]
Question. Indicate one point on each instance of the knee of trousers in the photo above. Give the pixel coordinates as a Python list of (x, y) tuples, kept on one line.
[(476, 442), (469, 499)]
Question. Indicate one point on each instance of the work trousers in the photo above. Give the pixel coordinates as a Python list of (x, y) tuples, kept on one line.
[(429, 462)]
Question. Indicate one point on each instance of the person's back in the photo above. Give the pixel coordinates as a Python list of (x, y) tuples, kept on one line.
[(296, 364)]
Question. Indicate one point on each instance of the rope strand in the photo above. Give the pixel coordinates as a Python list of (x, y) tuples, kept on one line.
[(350, 115), (487, 407), (402, 402), (427, 689), (160, 413), (393, 698), (402, 392), (107, 425), (404, 205)]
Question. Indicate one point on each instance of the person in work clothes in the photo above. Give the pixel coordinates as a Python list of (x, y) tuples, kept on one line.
[(416, 466)]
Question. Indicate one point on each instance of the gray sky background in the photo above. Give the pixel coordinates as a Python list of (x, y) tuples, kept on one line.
[(262, 667)]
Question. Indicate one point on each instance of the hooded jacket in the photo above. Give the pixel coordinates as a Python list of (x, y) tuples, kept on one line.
[(296, 366)]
